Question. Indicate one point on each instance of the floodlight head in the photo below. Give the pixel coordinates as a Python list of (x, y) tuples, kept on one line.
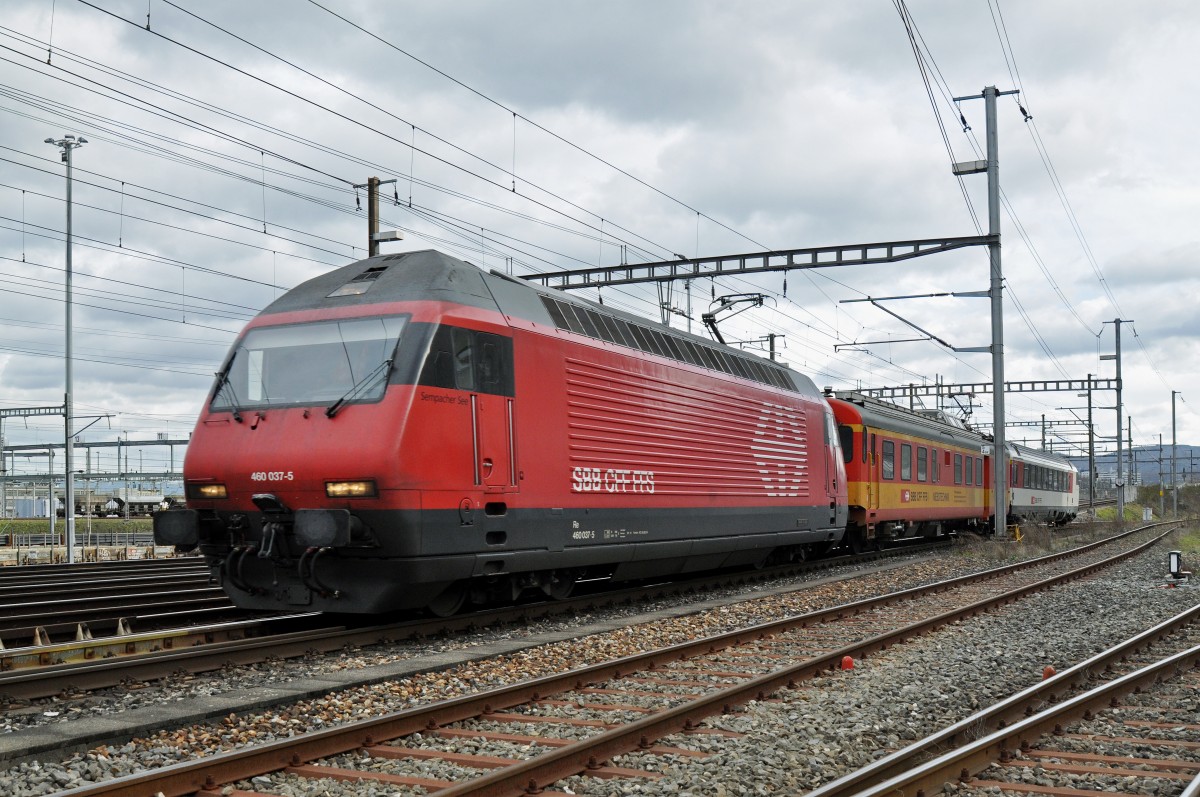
[(69, 135), (82, 140), (49, 141)]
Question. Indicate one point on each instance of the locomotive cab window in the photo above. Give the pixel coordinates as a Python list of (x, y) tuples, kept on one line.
[(322, 362), (889, 459), (464, 369)]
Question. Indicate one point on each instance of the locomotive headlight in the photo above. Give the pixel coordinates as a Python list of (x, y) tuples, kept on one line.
[(359, 489), (206, 491)]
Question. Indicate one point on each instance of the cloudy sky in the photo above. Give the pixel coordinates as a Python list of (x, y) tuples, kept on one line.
[(224, 143)]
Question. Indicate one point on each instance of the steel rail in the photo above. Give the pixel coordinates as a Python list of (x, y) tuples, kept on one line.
[(36, 593), (25, 674), (1002, 714), (958, 764), (551, 767), (208, 773), (70, 612), (113, 565)]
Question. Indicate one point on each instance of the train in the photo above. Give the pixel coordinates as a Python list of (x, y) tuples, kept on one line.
[(412, 432), (925, 473)]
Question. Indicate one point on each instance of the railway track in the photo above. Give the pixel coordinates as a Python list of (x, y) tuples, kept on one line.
[(540, 732), (84, 665), (47, 604), (1125, 720)]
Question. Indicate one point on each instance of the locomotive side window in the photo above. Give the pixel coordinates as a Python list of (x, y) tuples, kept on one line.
[(936, 475), (889, 459), (957, 468), (463, 359), (922, 463), (906, 462), (979, 471), (967, 477)]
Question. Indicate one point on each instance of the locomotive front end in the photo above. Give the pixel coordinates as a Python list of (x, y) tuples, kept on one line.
[(292, 468)]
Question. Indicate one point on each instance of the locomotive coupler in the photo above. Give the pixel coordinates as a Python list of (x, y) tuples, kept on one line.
[(270, 531)]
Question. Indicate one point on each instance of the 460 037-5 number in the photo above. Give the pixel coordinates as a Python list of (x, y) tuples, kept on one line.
[(272, 476)]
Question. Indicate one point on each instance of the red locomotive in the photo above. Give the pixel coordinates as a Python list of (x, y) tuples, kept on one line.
[(410, 431)]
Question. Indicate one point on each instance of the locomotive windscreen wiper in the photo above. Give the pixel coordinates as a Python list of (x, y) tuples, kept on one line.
[(224, 383), (384, 369)]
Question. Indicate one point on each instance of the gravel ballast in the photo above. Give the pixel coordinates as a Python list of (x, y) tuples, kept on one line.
[(816, 733)]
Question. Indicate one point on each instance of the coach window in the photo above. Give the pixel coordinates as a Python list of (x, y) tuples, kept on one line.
[(935, 475), (906, 462), (922, 463), (958, 468), (889, 459), (979, 471), (969, 470)]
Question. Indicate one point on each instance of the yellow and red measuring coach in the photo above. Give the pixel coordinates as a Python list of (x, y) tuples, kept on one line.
[(910, 472)]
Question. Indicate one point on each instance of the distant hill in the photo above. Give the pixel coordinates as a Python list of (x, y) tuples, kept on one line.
[(1146, 464)]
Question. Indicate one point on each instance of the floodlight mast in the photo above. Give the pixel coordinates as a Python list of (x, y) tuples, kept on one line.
[(67, 144)]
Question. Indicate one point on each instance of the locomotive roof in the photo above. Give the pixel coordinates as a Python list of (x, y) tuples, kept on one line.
[(429, 274)]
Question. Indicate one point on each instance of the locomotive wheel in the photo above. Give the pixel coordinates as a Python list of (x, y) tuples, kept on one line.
[(818, 549), (561, 589), (449, 601)]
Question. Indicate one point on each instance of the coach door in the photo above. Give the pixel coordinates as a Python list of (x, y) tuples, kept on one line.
[(872, 471)]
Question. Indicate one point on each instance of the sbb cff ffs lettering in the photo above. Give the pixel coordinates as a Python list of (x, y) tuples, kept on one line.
[(611, 480)]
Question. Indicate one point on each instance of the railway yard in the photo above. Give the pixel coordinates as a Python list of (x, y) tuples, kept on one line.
[(893, 674), (429, 412)]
